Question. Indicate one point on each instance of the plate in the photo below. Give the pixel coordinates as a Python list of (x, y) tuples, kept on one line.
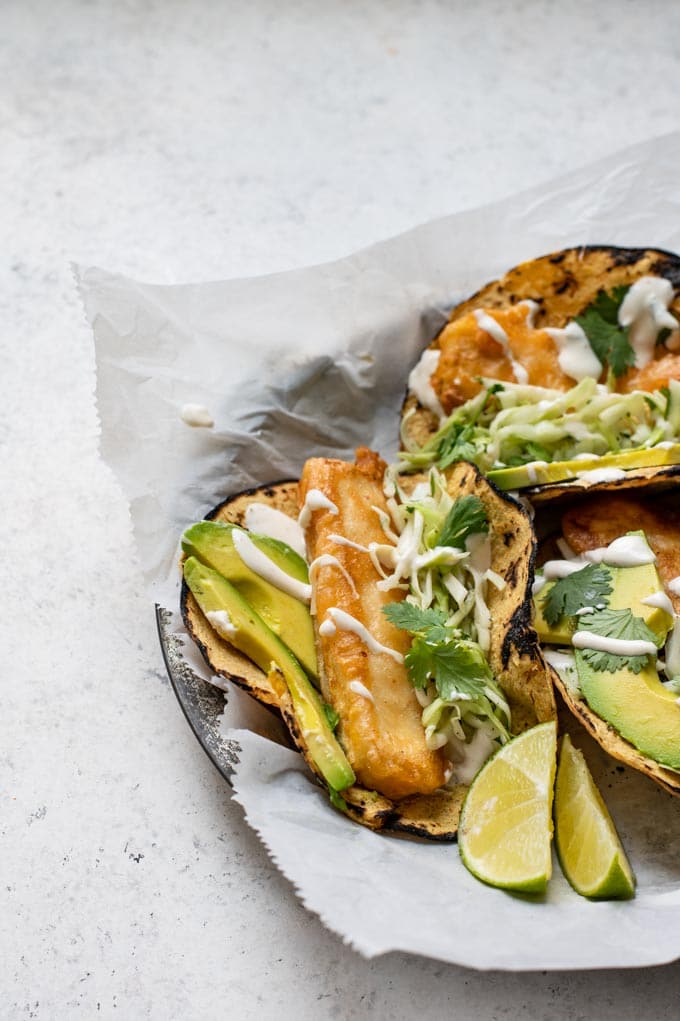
[(202, 703), (559, 932)]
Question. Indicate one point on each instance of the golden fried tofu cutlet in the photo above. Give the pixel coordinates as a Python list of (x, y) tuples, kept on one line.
[(469, 352), (599, 520), (380, 717)]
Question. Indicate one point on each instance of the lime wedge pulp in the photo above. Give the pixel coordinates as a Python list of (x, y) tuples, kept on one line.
[(506, 824), (588, 846)]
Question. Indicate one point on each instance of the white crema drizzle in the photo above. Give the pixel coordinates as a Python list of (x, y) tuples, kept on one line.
[(266, 520), (314, 500), (339, 619), (419, 381), (626, 551), (487, 323), (327, 560), (645, 311), (260, 563)]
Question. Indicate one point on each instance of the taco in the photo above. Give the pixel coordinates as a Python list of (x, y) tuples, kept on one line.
[(607, 605), (418, 600), (562, 375)]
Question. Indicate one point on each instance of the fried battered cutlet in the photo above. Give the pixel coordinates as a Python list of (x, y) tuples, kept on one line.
[(380, 717)]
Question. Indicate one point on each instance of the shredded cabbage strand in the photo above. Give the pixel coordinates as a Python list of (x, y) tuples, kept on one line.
[(452, 581)]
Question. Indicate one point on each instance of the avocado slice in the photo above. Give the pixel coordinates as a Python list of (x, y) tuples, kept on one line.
[(212, 543), (630, 585), (638, 706), (561, 633), (238, 623), (540, 473)]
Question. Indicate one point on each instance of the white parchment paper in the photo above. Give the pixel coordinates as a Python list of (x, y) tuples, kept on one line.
[(315, 362)]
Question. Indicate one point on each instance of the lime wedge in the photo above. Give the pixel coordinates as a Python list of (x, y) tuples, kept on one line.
[(506, 823), (588, 846)]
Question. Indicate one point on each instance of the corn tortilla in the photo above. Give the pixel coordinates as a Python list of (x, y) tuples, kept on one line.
[(515, 656)]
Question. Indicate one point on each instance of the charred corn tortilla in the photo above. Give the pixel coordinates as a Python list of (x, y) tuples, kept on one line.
[(600, 518), (613, 743), (562, 284), (515, 656)]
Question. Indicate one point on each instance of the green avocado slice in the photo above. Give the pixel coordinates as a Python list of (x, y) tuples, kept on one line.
[(638, 706), (541, 473), (212, 543), (630, 586), (237, 622)]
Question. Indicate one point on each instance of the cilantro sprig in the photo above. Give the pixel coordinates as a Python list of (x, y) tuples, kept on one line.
[(466, 517), (615, 624), (439, 654), (609, 340), (591, 586), (411, 618)]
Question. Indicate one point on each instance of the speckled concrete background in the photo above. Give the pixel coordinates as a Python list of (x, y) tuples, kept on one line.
[(178, 142)]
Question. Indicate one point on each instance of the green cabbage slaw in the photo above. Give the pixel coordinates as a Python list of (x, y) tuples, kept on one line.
[(511, 424)]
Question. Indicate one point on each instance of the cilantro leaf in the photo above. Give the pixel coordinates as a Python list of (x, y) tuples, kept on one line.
[(607, 304), (608, 339), (411, 618), (588, 587), (459, 441), (456, 668), (419, 662), (457, 445), (615, 624), (466, 517)]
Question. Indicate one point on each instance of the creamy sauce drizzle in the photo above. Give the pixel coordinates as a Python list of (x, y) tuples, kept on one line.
[(645, 310), (565, 665), (616, 646), (674, 586), (553, 569), (487, 323), (659, 600), (360, 689), (560, 660), (327, 560), (575, 356), (342, 541), (626, 551), (221, 622), (672, 665), (601, 475), (346, 622), (260, 563), (266, 520), (315, 500), (419, 381), (197, 416), (532, 469), (532, 309), (480, 748)]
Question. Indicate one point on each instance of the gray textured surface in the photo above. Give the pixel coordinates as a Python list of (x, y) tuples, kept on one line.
[(176, 142)]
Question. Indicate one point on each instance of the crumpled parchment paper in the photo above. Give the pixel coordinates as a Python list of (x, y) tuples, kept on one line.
[(315, 362)]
